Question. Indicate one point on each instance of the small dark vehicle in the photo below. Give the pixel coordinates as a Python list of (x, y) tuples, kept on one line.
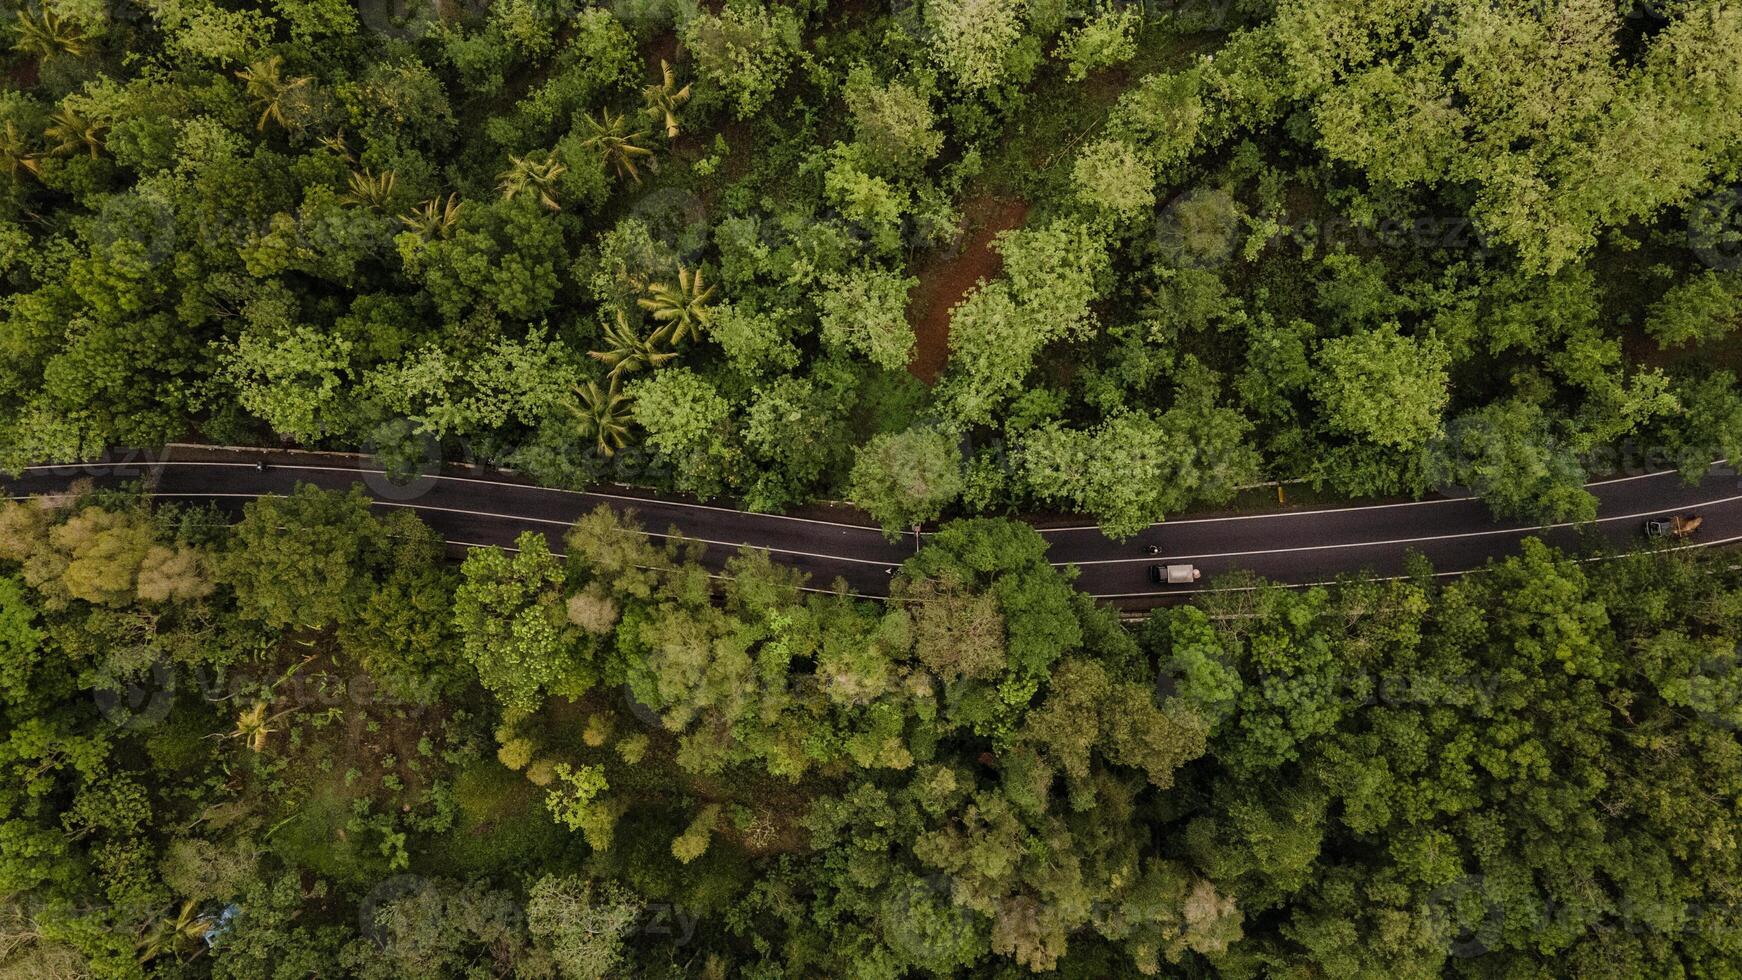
[(1677, 527)]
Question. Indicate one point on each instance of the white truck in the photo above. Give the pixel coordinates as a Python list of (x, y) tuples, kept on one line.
[(1173, 574)]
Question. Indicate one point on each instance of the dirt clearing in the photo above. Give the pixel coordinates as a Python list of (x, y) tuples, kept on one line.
[(946, 276)]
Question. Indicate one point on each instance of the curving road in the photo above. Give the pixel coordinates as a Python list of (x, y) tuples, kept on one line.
[(1301, 546)]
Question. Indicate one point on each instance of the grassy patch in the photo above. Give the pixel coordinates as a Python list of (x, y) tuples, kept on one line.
[(501, 826), (317, 836)]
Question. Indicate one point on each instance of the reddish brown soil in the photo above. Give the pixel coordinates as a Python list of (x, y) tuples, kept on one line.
[(23, 74), (946, 276), (662, 47)]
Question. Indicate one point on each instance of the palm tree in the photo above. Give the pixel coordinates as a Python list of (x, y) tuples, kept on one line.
[(603, 414), (370, 189), (434, 218), (70, 132), (610, 135), (15, 152), (681, 308), (254, 726), (529, 174), (174, 935), (46, 35), (664, 98), (627, 351), (272, 92), (336, 143)]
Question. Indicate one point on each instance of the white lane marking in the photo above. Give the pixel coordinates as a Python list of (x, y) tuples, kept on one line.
[(1385, 578), (1267, 584), (646, 501), (1315, 511), (540, 520), (655, 501), (1147, 559), (1093, 595), (1526, 529), (546, 520)]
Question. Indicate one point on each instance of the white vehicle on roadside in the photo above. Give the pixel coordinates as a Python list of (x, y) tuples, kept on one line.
[(1173, 574)]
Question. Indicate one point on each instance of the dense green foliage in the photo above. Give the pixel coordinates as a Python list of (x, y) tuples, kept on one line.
[(304, 746), (948, 259), (1379, 247)]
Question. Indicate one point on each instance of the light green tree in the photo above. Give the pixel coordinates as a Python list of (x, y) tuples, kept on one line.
[(693, 842), (893, 124), (573, 798), (1136, 468), (1702, 309), (1382, 386), (745, 52), (583, 924), (1110, 176), (1105, 39), (293, 381), (756, 340), (1561, 132), (1051, 275), (1709, 427), (905, 478), (797, 425), (865, 311), (521, 380), (20, 641), (309, 559), (1165, 115), (510, 615), (875, 205), (689, 424), (1509, 454), (975, 42)]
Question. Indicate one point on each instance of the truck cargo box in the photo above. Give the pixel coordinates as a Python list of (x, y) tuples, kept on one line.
[(1173, 574)]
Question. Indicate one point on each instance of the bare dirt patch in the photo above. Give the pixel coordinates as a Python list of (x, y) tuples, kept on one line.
[(24, 74), (946, 276)]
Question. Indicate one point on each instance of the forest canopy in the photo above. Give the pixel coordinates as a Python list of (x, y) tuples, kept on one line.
[(949, 260), (307, 745), (767, 252)]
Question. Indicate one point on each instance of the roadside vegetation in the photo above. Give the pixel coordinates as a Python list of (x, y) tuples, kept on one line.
[(1116, 259), (306, 746), (949, 260)]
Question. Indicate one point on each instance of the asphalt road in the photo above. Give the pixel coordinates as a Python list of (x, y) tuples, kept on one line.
[(1298, 546)]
